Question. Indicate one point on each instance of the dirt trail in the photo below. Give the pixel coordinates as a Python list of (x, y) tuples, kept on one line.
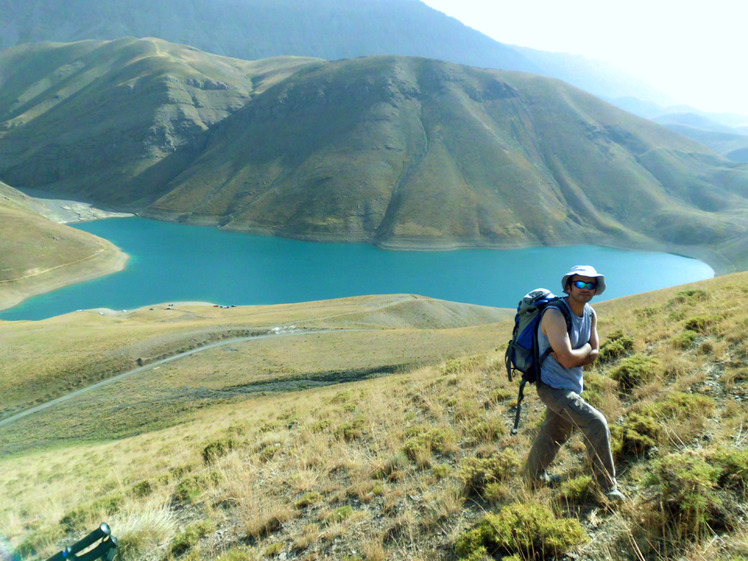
[(71, 395)]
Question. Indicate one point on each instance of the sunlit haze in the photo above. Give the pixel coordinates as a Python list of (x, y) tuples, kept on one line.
[(692, 50)]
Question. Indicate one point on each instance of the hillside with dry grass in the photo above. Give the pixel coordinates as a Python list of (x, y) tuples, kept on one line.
[(38, 255), (418, 463)]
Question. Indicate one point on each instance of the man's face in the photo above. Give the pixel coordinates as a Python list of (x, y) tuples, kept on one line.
[(582, 289)]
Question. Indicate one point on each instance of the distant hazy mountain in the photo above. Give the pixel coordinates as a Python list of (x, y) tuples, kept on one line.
[(391, 150), (329, 29), (731, 142)]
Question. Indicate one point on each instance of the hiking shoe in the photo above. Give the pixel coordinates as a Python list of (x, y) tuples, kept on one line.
[(614, 495), (547, 479)]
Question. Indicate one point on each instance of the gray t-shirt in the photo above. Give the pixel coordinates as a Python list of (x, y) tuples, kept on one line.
[(551, 372)]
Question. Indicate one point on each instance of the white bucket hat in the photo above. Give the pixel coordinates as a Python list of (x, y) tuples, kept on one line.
[(584, 271)]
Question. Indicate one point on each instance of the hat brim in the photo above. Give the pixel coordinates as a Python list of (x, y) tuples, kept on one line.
[(599, 278)]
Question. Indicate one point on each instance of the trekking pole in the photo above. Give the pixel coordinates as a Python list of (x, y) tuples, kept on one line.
[(520, 397), (105, 549)]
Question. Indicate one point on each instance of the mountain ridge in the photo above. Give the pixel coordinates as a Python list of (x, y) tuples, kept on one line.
[(258, 29), (398, 151)]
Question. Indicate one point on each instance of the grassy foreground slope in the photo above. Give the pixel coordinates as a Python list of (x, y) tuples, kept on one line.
[(38, 255), (416, 465)]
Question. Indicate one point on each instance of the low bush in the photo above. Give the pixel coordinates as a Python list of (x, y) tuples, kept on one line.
[(616, 346), (691, 296), (477, 473), (733, 466), (576, 490), (423, 440), (308, 499), (635, 371), (339, 514), (530, 531), (700, 323), (690, 503), (217, 449), (686, 339)]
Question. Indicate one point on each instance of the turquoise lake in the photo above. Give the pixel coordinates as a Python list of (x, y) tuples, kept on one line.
[(173, 262)]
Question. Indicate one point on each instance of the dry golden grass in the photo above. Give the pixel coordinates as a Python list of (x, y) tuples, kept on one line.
[(372, 469)]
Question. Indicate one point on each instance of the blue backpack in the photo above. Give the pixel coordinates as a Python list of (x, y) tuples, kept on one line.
[(522, 353)]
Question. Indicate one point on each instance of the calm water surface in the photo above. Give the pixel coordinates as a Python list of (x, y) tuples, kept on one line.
[(172, 262)]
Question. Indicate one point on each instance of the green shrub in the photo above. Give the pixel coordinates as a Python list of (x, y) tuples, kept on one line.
[(686, 339), (477, 473), (189, 537), (487, 430), (646, 312), (308, 499), (681, 405), (615, 346), (700, 323), (575, 491), (530, 531), (268, 451), (733, 465), (273, 549), (689, 500), (142, 489), (217, 449), (691, 296), (639, 433), (635, 371), (424, 439), (339, 514), (440, 471), (319, 426)]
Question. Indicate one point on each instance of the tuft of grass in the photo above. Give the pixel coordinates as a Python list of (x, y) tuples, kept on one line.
[(141, 533)]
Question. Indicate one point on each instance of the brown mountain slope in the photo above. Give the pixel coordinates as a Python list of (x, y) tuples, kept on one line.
[(113, 121), (414, 152)]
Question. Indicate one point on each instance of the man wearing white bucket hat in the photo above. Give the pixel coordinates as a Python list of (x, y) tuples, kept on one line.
[(561, 383)]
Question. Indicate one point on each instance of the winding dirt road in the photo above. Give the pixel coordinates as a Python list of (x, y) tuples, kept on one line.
[(150, 366)]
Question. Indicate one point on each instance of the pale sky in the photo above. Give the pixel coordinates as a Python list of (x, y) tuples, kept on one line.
[(696, 51)]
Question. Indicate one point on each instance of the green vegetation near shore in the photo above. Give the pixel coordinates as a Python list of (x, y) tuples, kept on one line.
[(417, 463)]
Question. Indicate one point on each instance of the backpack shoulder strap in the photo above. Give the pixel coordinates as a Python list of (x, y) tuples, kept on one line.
[(562, 306)]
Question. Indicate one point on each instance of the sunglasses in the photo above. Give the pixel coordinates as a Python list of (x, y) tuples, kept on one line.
[(582, 285)]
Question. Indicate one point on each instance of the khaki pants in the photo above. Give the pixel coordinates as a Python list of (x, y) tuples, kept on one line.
[(566, 410)]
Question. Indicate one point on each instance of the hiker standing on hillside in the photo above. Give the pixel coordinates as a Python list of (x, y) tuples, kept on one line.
[(562, 382)]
